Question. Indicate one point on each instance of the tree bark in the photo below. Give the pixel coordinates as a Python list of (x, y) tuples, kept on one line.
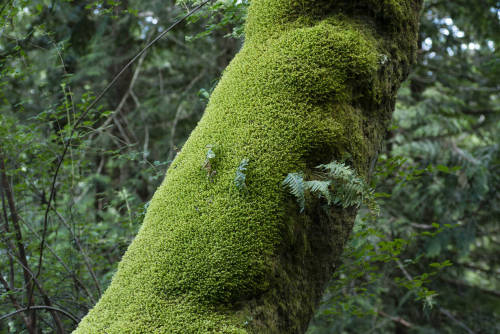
[(314, 81)]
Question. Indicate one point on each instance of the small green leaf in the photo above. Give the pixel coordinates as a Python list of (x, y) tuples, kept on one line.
[(240, 177), (295, 183)]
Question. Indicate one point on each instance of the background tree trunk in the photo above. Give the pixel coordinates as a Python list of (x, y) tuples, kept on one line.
[(314, 81)]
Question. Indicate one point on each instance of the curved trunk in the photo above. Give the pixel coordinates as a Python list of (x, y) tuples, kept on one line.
[(315, 79)]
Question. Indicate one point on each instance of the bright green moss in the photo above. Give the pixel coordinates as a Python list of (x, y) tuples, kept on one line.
[(210, 258)]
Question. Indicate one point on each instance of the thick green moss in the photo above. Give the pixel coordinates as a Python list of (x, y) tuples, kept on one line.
[(210, 258)]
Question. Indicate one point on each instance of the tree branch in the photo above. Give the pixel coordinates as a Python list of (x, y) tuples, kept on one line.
[(82, 251), (461, 324), (41, 307), (399, 320), (493, 293), (13, 300), (18, 237)]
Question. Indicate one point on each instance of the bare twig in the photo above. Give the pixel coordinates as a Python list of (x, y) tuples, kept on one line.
[(479, 268), (18, 236), (65, 266), (422, 226), (442, 310), (464, 284), (13, 300), (146, 127), (7, 240), (458, 322), (122, 130), (462, 154), (82, 251), (401, 266), (399, 320), (161, 81), (178, 113), (41, 307), (45, 297), (124, 98)]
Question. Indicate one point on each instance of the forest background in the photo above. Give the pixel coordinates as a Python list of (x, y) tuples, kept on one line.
[(427, 262)]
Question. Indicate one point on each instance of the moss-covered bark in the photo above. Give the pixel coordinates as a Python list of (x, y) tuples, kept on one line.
[(314, 80)]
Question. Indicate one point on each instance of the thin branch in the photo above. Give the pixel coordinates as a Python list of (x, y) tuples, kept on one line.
[(161, 81), (41, 307), (146, 127), (422, 226), (45, 297), (399, 320), (461, 153), (442, 310), (127, 126), (479, 112), (6, 188), (461, 324), (122, 130), (65, 266), (493, 293), (122, 102), (7, 240), (401, 266), (484, 270), (178, 113), (13, 211), (82, 251), (13, 300)]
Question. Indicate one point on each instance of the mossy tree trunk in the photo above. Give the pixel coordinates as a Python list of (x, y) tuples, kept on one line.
[(315, 79)]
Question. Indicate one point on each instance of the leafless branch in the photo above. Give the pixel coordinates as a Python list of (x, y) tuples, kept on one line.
[(82, 251), (178, 113), (458, 322), (146, 127), (44, 295), (466, 285), (7, 190), (41, 307), (13, 299), (399, 320), (65, 266), (406, 273)]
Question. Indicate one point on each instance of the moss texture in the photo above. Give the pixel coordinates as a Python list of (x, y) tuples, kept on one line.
[(313, 81)]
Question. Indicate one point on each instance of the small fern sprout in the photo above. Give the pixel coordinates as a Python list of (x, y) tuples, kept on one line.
[(208, 165), (240, 178)]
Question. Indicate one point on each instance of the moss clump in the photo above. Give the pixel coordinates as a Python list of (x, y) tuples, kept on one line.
[(306, 88)]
